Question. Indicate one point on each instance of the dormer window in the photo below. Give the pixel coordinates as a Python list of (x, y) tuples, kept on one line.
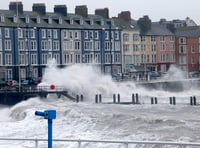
[(102, 22), (38, 20), (60, 20), (2, 18), (81, 21), (15, 19), (91, 22), (71, 21), (27, 19), (50, 20)]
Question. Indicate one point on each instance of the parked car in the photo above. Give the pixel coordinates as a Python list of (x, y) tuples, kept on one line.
[(12, 83)]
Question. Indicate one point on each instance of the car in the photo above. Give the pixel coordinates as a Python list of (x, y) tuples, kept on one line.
[(12, 83)]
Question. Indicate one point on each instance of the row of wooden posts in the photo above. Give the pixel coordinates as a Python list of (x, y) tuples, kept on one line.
[(135, 99)]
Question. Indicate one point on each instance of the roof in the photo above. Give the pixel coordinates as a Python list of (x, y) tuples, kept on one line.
[(188, 31), (158, 29)]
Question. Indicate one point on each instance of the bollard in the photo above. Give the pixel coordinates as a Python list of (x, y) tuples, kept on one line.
[(81, 97), (50, 115), (156, 100), (114, 98), (174, 100), (191, 100), (118, 98), (194, 99), (152, 100), (96, 98), (77, 98), (133, 99), (100, 100), (170, 100), (137, 99)]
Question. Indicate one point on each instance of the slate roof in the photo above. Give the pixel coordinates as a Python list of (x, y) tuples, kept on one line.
[(188, 31), (9, 15), (158, 29)]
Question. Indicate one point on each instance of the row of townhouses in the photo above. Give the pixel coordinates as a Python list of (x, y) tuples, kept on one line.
[(28, 39)]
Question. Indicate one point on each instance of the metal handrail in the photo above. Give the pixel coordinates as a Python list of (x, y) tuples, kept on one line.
[(126, 143)]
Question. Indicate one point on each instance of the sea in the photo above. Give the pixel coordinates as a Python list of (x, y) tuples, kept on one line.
[(102, 121)]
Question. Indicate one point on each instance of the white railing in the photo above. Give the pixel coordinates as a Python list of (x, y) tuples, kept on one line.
[(125, 143)]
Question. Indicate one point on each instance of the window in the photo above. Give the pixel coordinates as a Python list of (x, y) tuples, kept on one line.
[(44, 45), (192, 49), (43, 33), (20, 33), (88, 45), (55, 45), (172, 38), (22, 59), (135, 48), (77, 45), (182, 49), (135, 37), (96, 35), (66, 58), (33, 45), (116, 35), (49, 33), (91, 34), (8, 59), (21, 45), (86, 34), (97, 45), (153, 38), (193, 60), (143, 38), (33, 59), (7, 44), (182, 59), (172, 46), (126, 47), (143, 47), (117, 46), (77, 58), (76, 36), (68, 45), (1, 63), (153, 47), (57, 58), (44, 58), (162, 38), (7, 32), (163, 46), (126, 37), (32, 33), (1, 45), (55, 34), (182, 40)]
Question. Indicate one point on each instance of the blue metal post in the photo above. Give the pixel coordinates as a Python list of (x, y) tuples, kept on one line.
[(50, 133), (50, 115)]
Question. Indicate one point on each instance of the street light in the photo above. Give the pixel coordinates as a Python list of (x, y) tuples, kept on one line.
[(110, 36), (102, 49)]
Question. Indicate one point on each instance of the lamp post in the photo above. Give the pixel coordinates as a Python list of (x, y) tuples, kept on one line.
[(102, 49), (110, 36)]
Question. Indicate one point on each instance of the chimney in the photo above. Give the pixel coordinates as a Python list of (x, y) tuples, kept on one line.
[(102, 12), (81, 10), (61, 9), (125, 15), (39, 8), (144, 24), (16, 6)]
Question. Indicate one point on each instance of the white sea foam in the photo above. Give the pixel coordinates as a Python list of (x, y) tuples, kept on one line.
[(86, 120)]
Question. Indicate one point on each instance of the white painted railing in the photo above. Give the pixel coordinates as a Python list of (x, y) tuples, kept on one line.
[(125, 143)]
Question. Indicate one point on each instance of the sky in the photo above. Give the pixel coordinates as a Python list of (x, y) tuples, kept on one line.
[(155, 9)]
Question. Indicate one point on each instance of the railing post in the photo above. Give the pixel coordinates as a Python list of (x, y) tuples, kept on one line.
[(36, 143), (79, 144)]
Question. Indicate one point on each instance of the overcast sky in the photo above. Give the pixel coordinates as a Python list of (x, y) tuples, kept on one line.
[(155, 9)]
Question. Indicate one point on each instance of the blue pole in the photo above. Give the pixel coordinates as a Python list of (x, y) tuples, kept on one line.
[(50, 133), (50, 115)]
